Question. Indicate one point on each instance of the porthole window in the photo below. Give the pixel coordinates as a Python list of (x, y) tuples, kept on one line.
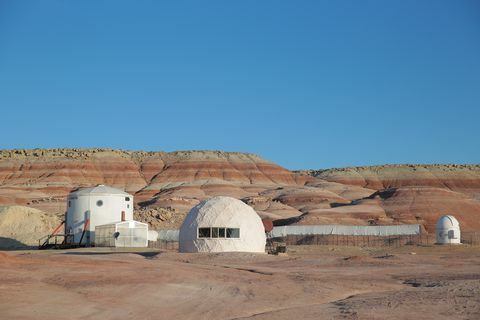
[(127, 198), (99, 203)]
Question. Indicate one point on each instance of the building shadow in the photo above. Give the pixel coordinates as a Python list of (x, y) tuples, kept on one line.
[(9, 244)]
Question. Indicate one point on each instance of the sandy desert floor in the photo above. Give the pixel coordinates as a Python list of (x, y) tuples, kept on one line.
[(312, 282)]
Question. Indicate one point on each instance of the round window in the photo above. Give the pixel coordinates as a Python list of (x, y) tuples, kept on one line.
[(99, 203)]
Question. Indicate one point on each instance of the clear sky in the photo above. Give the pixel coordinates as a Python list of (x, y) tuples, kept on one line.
[(306, 84)]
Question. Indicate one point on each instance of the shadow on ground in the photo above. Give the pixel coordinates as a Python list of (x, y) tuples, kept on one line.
[(13, 244), (147, 255)]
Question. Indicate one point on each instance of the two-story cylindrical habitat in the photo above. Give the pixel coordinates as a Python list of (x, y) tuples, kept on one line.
[(99, 205)]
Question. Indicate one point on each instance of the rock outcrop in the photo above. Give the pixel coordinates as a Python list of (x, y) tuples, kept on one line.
[(43, 178), (21, 227), (167, 185), (414, 193), (462, 178)]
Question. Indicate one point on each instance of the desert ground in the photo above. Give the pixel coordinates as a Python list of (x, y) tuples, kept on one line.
[(310, 282)]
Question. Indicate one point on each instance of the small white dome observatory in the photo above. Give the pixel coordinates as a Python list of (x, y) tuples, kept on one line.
[(100, 205), (222, 224), (447, 230)]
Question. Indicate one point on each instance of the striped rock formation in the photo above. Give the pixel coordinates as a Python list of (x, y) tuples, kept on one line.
[(177, 181)]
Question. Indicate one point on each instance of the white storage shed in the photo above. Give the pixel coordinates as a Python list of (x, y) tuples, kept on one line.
[(126, 234)]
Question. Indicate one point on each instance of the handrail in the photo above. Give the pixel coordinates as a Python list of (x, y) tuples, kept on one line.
[(85, 226), (47, 243), (48, 237)]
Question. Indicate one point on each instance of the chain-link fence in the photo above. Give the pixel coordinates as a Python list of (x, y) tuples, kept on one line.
[(469, 238), (165, 245)]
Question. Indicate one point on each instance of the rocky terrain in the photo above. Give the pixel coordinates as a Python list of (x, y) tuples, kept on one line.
[(43, 178), (311, 282), (21, 227), (167, 185), (411, 193), (460, 178)]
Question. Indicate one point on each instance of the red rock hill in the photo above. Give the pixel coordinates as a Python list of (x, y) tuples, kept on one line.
[(179, 180), (416, 193)]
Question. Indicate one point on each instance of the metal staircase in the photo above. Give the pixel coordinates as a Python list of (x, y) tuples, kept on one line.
[(61, 241)]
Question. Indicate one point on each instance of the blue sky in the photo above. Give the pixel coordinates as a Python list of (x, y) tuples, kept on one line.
[(306, 84)]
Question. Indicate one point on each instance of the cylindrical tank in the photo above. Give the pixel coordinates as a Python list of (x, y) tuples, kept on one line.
[(101, 205), (447, 230)]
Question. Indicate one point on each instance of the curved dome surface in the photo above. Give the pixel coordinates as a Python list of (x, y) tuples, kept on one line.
[(99, 190), (448, 230), (447, 222), (222, 224)]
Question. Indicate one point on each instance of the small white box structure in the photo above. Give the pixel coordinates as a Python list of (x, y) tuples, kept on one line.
[(123, 234)]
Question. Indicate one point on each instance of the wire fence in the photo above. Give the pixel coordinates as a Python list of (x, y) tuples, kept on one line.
[(165, 245), (395, 241), (471, 238)]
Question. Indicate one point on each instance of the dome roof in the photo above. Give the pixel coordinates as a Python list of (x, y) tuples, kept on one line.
[(447, 222), (222, 212), (99, 190)]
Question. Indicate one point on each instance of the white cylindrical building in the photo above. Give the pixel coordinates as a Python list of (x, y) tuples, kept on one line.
[(222, 224), (447, 230), (100, 205)]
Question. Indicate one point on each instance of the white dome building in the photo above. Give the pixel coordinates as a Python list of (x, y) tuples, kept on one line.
[(222, 224), (447, 230), (101, 205)]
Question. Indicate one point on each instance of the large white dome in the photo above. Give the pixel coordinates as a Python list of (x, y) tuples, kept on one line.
[(222, 224)]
